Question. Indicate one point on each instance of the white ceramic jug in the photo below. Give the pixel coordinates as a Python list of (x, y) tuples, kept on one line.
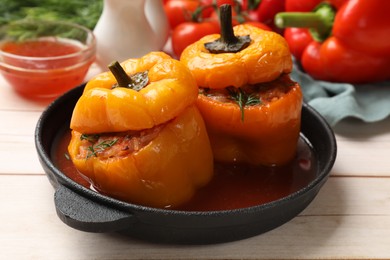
[(130, 29)]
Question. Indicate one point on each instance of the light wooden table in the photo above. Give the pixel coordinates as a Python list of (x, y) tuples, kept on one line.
[(349, 219)]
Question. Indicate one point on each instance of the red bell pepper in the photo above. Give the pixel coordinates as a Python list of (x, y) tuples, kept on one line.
[(340, 40)]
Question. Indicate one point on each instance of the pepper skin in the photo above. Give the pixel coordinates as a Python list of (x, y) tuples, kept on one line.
[(335, 61), (267, 136), (170, 90), (167, 169), (264, 134), (351, 45), (163, 174), (263, 60), (364, 25)]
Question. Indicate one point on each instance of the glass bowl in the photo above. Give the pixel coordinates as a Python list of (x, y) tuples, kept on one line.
[(44, 59)]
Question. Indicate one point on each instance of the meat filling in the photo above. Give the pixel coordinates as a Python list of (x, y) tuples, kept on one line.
[(110, 145), (264, 92)]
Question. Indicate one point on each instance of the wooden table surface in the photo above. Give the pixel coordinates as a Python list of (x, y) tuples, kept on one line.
[(349, 219)]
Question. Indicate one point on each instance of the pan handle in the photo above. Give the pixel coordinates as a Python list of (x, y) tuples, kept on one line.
[(84, 214)]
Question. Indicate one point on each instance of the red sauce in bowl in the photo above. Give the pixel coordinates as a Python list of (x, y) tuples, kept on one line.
[(233, 186), (43, 48), (44, 68)]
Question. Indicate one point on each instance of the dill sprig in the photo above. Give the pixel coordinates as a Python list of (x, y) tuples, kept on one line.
[(94, 149), (243, 99), (90, 137)]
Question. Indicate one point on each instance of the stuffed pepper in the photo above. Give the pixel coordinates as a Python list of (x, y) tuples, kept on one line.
[(137, 134), (251, 107)]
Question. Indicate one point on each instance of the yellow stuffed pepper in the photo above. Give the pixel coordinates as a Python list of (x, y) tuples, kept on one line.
[(138, 136), (251, 107)]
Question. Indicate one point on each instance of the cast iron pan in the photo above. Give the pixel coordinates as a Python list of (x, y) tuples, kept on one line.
[(86, 210)]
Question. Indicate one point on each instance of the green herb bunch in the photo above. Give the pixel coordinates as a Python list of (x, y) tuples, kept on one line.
[(83, 12)]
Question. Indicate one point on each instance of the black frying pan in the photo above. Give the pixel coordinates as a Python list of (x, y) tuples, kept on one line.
[(86, 210)]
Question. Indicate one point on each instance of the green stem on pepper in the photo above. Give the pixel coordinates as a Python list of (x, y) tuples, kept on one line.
[(196, 16), (228, 43), (136, 82), (319, 21), (253, 4), (123, 80)]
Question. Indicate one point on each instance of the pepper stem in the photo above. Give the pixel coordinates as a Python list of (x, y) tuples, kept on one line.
[(227, 33), (136, 81), (228, 43), (120, 75), (320, 21)]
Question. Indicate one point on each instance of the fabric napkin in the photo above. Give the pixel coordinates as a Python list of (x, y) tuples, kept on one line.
[(337, 101)]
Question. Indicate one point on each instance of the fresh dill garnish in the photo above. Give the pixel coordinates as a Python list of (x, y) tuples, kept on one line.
[(243, 99), (90, 137), (253, 100), (91, 152), (94, 149)]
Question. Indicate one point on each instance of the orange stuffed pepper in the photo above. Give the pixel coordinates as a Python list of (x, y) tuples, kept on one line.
[(138, 136), (251, 107)]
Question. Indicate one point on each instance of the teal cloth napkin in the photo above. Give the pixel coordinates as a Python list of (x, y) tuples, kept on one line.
[(337, 101)]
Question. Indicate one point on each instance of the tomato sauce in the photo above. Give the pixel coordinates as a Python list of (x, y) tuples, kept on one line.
[(233, 186), (44, 48), (36, 77)]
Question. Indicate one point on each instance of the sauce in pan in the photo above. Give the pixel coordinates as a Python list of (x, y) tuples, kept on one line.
[(233, 186)]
